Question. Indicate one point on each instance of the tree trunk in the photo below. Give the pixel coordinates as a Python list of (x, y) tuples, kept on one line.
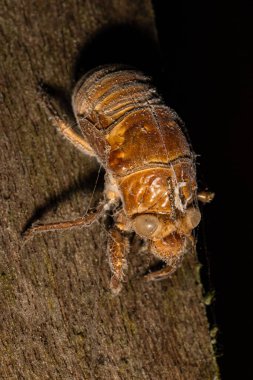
[(58, 318)]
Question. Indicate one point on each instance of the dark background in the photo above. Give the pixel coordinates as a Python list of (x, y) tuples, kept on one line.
[(206, 59)]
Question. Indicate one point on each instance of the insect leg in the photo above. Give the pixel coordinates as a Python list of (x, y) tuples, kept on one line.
[(83, 221), (161, 274), (63, 126), (173, 263), (205, 196), (118, 246)]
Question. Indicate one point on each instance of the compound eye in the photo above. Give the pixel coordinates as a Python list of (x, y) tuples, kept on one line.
[(145, 224), (192, 217)]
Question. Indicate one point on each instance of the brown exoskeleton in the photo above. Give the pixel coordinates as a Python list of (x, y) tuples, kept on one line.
[(150, 172)]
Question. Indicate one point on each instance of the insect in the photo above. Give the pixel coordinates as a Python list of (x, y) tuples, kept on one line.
[(150, 181)]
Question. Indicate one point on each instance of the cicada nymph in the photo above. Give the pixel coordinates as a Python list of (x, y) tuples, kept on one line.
[(150, 181)]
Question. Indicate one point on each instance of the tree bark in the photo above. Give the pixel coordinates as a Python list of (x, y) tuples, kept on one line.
[(58, 318)]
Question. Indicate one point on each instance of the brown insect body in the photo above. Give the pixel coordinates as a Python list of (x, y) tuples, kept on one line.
[(147, 158), (150, 171)]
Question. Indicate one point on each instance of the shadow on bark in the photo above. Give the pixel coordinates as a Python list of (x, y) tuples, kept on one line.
[(123, 44)]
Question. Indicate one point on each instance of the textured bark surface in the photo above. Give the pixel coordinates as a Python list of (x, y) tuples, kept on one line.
[(57, 318)]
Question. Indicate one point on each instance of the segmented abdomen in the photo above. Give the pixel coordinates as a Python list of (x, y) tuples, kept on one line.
[(136, 137)]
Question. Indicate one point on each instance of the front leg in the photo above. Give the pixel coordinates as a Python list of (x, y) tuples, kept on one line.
[(118, 247), (170, 264), (161, 274)]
